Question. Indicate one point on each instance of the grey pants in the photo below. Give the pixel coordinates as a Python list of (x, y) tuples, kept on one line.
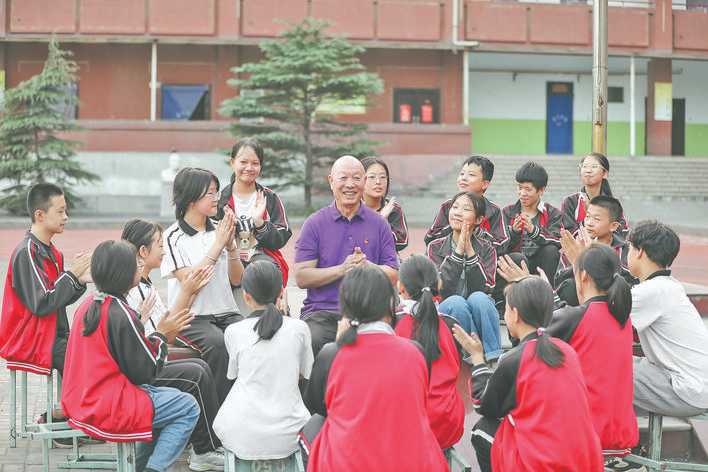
[(654, 393)]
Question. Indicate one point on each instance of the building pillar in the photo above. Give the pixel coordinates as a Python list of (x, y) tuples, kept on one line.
[(658, 112)]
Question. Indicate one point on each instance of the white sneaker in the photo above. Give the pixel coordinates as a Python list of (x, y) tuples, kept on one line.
[(212, 460)]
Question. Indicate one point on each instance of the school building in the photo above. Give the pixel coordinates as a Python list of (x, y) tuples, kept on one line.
[(494, 76)]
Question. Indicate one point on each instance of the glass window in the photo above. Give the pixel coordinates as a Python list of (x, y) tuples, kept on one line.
[(185, 102), (416, 106), (615, 94)]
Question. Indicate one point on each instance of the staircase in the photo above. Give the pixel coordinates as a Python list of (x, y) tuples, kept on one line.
[(636, 178), (671, 189)]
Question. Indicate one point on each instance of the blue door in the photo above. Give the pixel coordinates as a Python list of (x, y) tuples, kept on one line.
[(559, 118)]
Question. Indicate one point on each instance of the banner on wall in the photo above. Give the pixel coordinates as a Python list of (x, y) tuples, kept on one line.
[(662, 101)]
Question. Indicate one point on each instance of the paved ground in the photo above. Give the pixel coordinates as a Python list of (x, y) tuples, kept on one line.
[(690, 267)]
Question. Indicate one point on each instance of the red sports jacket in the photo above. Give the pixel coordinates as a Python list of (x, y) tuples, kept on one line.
[(605, 352), (446, 410), (37, 292), (103, 371)]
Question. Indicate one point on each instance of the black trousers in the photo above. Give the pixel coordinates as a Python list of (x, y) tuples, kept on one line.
[(546, 258), (194, 376), (206, 335), (482, 433), (323, 328)]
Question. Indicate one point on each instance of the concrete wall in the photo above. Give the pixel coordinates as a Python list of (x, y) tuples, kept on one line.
[(508, 114)]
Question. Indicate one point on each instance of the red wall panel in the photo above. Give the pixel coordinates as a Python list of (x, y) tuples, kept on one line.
[(109, 16), (270, 17), (628, 27), (183, 17), (3, 18), (39, 16), (409, 21), (227, 17), (690, 30), (351, 19), (496, 22), (562, 24)]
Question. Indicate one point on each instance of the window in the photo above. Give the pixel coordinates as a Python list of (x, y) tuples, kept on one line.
[(615, 94), (416, 106), (185, 102), (69, 105)]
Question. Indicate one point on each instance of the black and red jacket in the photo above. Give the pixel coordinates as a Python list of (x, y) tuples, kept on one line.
[(574, 208), (605, 352), (564, 281), (376, 416), (37, 292), (275, 232), (103, 372), (547, 226), (446, 411), (492, 223), (462, 275), (544, 412), (397, 221)]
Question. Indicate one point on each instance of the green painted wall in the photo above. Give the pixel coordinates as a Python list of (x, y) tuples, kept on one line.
[(696, 140), (617, 138), (496, 136), (502, 136)]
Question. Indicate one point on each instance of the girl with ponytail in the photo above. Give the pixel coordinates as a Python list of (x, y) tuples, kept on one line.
[(372, 387), (537, 389), (112, 367), (268, 355), (418, 281), (601, 334), (594, 170)]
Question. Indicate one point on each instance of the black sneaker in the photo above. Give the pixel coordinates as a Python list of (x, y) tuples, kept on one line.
[(618, 464)]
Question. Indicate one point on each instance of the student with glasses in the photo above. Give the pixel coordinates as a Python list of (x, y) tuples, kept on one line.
[(378, 183), (193, 242), (594, 169)]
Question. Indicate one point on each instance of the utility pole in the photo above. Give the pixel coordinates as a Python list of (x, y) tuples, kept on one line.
[(599, 76)]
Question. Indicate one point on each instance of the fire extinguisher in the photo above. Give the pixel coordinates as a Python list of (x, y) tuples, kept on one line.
[(426, 112), (405, 113)]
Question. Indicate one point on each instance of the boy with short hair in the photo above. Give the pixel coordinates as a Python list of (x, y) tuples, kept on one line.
[(533, 225), (475, 176), (34, 328), (602, 223), (673, 377)]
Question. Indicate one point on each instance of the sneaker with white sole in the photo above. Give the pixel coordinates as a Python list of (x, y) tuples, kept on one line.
[(617, 464), (212, 460)]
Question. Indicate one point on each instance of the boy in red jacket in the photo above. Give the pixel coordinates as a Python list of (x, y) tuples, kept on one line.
[(33, 327)]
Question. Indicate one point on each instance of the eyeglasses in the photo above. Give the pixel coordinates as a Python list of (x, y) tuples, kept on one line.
[(590, 167), (211, 195), (377, 178)]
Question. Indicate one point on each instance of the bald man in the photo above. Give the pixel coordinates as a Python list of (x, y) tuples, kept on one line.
[(335, 239)]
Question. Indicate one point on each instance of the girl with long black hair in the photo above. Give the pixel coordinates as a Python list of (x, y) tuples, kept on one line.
[(538, 390), (108, 388), (378, 183), (375, 415), (601, 334), (418, 281), (268, 354)]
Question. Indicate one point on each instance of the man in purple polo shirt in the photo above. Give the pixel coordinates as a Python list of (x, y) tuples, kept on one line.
[(335, 239)]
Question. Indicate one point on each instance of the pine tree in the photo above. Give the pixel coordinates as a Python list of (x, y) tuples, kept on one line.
[(30, 151), (284, 101)]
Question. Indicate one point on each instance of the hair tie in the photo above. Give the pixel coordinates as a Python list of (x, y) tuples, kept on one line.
[(354, 323), (540, 331), (100, 296), (425, 289)]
